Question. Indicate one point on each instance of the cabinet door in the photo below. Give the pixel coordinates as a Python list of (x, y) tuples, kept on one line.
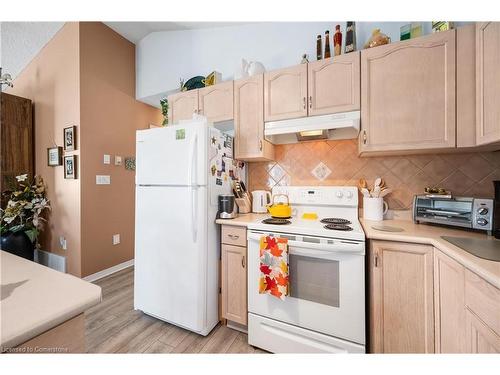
[(333, 84), (249, 120), (285, 93), (449, 299), (408, 95), (401, 298), (216, 102), (488, 82), (182, 106), (480, 337), (234, 283)]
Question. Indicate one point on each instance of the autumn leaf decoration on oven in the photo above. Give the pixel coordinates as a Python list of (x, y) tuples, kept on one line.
[(273, 266)]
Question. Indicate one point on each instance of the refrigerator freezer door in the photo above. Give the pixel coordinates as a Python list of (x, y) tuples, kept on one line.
[(171, 255), (173, 155)]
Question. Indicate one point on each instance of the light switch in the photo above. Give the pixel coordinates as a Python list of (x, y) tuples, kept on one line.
[(118, 160), (62, 243), (102, 180), (116, 239), (107, 159)]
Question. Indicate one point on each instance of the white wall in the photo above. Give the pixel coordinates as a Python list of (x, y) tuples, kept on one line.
[(165, 57), (21, 42)]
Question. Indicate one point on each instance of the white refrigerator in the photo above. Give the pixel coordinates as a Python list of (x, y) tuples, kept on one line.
[(180, 171)]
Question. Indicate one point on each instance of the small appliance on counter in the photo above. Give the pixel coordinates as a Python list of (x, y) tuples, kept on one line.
[(496, 210), (227, 207), (260, 200), (465, 212), (280, 210)]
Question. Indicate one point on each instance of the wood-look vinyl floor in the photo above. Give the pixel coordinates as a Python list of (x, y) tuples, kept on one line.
[(113, 326)]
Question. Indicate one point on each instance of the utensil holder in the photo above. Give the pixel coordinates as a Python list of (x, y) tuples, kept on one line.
[(374, 208)]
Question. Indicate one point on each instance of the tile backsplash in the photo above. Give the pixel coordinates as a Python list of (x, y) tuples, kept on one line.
[(337, 163)]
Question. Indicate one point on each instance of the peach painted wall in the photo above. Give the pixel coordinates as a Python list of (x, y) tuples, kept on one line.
[(110, 115), (469, 174), (51, 81)]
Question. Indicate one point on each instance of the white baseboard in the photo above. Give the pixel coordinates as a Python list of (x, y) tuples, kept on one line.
[(109, 271)]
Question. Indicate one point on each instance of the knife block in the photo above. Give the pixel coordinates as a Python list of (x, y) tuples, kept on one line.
[(244, 204)]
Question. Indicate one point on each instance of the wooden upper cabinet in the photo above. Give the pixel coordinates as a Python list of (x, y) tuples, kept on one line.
[(408, 95), (216, 102), (449, 303), (285, 93), (249, 120), (487, 82), (182, 106), (334, 84), (401, 298)]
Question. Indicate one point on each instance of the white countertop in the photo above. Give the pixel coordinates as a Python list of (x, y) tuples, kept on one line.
[(415, 233), (35, 298)]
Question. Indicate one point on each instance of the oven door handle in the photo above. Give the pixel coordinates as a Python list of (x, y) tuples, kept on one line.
[(338, 246)]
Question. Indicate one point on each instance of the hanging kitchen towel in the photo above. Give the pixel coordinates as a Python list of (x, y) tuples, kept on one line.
[(273, 266)]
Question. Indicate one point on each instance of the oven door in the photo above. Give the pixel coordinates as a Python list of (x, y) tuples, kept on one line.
[(327, 291)]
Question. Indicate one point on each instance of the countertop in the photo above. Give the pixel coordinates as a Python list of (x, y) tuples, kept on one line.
[(415, 233), (35, 298), (242, 220)]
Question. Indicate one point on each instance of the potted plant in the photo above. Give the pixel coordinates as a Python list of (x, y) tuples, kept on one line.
[(21, 220)]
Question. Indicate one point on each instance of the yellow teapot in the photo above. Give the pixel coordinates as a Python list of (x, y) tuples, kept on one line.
[(280, 210)]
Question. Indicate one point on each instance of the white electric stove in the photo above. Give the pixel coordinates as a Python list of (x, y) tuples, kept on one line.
[(325, 311)]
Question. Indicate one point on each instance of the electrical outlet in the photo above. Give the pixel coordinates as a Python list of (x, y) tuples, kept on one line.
[(102, 180), (63, 243), (107, 159), (118, 160), (116, 239)]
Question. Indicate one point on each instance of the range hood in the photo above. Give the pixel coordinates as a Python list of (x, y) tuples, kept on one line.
[(336, 126)]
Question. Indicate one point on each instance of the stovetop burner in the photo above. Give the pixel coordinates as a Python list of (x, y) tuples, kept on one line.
[(341, 227), (276, 221), (335, 220)]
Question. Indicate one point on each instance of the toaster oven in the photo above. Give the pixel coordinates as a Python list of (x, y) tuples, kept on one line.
[(465, 212)]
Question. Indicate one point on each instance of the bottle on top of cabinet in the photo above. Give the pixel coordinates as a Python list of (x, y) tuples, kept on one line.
[(337, 41), (327, 44), (319, 48)]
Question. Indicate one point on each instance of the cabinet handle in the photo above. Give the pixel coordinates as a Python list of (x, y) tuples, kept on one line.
[(304, 102), (310, 102), (260, 145), (243, 261), (376, 260), (233, 236), (195, 111), (364, 137), (200, 111)]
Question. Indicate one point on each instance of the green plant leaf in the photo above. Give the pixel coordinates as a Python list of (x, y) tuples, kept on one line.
[(32, 234)]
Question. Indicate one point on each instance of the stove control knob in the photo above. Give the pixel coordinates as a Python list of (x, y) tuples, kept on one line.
[(482, 210), (340, 194), (349, 194), (482, 222)]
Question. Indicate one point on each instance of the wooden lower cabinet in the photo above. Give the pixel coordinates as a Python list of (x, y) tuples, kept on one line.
[(401, 298), (423, 301), (449, 301), (480, 337), (234, 283)]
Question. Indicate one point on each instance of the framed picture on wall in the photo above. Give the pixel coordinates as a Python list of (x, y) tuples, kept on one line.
[(70, 138), (70, 167), (54, 156)]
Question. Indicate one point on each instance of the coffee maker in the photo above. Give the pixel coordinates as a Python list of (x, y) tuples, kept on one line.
[(227, 207)]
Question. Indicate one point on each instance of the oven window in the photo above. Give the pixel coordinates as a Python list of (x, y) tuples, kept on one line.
[(314, 279)]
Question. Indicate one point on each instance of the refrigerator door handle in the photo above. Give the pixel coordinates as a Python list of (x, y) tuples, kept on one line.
[(194, 208), (193, 163)]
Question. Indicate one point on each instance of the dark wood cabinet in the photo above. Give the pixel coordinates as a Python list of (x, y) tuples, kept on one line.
[(16, 134)]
